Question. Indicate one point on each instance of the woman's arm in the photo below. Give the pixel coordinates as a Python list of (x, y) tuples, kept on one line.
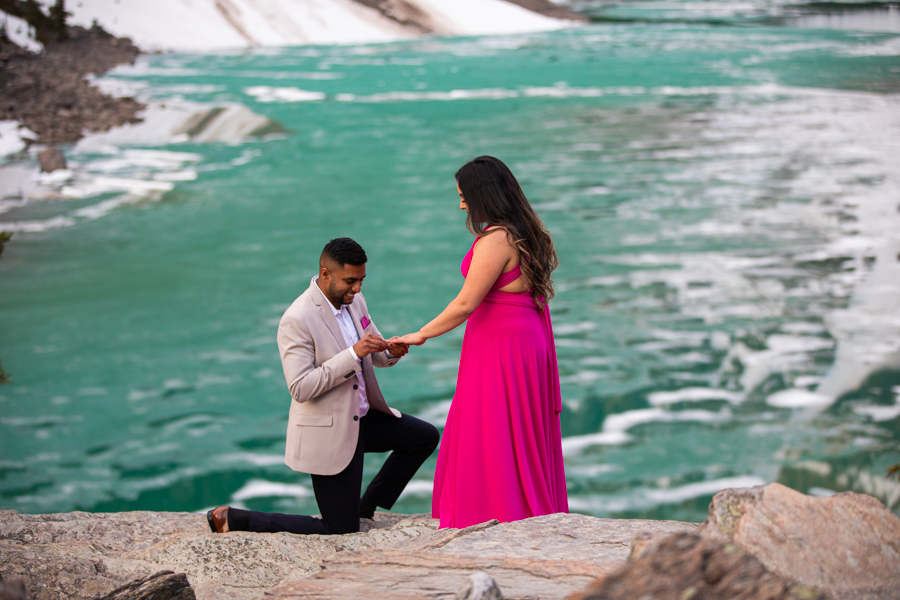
[(492, 253)]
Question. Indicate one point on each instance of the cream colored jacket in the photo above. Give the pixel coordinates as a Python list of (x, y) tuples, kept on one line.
[(323, 425)]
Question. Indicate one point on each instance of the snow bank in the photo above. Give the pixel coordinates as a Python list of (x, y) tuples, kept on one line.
[(11, 137), (204, 25), (20, 32)]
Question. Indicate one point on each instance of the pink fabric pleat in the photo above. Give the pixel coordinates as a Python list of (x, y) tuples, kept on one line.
[(501, 451)]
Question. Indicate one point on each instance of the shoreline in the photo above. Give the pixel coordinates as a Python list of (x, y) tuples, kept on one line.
[(48, 93)]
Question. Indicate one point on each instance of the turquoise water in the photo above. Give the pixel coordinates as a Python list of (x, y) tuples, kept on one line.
[(709, 189)]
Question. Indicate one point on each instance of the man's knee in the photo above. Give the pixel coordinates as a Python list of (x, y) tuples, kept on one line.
[(432, 437)]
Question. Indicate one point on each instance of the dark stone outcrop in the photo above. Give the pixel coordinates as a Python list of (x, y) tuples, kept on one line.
[(164, 585), (686, 565), (12, 590)]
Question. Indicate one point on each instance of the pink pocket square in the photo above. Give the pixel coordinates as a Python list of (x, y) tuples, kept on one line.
[(365, 322)]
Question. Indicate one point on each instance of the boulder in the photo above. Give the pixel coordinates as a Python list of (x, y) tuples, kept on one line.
[(51, 159), (480, 586), (685, 565), (847, 545)]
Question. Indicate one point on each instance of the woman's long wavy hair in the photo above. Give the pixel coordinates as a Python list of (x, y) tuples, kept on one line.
[(495, 199)]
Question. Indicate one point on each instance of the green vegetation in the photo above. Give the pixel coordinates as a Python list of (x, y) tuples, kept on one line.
[(48, 28)]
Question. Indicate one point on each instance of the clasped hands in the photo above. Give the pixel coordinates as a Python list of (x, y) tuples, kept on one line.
[(372, 343), (397, 346)]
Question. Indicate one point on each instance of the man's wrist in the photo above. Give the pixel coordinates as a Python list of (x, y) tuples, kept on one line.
[(353, 354)]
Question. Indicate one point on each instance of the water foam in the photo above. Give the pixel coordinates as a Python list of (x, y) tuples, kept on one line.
[(261, 488)]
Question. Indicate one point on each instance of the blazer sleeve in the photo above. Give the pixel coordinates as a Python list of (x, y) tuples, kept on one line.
[(305, 380)]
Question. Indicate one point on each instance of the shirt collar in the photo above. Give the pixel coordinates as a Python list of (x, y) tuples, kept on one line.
[(337, 311)]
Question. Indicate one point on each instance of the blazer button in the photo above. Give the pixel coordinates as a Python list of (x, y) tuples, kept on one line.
[(355, 418), (355, 386)]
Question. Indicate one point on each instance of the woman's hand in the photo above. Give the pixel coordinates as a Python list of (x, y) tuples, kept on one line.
[(411, 339)]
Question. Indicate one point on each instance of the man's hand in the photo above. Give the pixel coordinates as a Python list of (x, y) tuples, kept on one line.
[(396, 348), (369, 344)]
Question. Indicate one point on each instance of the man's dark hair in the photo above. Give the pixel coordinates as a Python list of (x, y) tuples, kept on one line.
[(343, 251)]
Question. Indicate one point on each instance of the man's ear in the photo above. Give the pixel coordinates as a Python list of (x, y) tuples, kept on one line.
[(324, 273)]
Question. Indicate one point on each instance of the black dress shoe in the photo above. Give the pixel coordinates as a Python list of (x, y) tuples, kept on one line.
[(217, 519)]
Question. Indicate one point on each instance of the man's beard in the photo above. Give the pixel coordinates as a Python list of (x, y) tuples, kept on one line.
[(335, 296)]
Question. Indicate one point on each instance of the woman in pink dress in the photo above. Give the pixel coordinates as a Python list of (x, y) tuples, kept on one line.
[(501, 453)]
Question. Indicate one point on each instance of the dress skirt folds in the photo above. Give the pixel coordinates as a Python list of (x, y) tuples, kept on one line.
[(501, 452)]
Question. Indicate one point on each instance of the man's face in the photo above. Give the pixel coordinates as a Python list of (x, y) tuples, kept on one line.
[(342, 283)]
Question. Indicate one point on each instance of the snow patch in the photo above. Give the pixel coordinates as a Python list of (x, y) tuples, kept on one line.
[(20, 32), (12, 137)]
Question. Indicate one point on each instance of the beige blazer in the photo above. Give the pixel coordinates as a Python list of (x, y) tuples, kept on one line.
[(323, 425)]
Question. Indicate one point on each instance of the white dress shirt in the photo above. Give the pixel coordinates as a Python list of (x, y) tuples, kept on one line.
[(351, 336)]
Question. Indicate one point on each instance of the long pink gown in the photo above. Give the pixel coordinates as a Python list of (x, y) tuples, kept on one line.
[(501, 452)]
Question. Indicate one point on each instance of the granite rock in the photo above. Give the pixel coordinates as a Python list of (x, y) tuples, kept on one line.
[(847, 545), (544, 557), (480, 586), (686, 565), (81, 555)]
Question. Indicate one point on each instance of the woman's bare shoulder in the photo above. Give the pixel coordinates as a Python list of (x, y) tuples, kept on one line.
[(496, 241)]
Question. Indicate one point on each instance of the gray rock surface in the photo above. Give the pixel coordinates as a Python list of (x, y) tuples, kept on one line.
[(81, 555), (540, 558), (765, 542)]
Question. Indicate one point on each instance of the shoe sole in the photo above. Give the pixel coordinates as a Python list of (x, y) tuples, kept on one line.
[(211, 521)]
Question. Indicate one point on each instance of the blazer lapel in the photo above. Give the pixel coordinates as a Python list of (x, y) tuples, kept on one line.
[(325, 312), (367, 360)]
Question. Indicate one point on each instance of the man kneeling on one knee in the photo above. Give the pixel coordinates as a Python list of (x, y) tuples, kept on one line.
[(329, 346)]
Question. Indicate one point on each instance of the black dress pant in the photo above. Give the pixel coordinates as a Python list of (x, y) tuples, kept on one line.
[(410, 441)]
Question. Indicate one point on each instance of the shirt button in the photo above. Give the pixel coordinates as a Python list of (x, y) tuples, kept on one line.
[(355, 386), (355, 418)]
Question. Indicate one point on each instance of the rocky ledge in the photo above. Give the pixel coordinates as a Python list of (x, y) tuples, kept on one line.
[(766, 542)]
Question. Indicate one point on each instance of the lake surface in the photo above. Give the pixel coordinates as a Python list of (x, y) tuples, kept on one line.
[(723, 196)]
